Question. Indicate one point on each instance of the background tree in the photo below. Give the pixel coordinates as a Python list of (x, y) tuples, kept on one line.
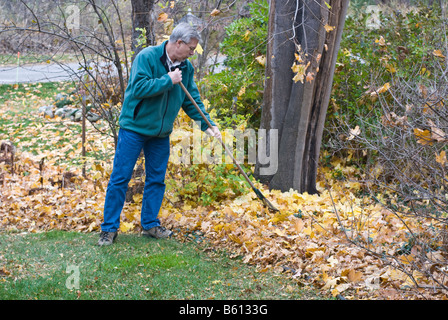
[(142, 24), (304, 37)]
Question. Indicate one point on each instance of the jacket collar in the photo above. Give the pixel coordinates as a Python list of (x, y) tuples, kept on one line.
[(164, 58)]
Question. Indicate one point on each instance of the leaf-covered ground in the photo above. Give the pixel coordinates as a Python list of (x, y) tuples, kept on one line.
[(43, 188)]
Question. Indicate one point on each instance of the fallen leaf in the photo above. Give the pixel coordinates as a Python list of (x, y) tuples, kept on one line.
[(126, 226), (424, 136), (384, 88), (438, 53), (441, 158), (354, 276), (381, 41), (354, 132)]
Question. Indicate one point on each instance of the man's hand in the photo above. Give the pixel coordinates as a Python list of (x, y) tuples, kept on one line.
[(214, 132), (176, 76)]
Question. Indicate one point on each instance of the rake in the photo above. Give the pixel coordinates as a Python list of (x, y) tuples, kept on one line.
[(260, 196)]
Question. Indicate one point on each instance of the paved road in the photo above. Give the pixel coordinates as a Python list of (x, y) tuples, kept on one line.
[(47, 72), (37, 73)]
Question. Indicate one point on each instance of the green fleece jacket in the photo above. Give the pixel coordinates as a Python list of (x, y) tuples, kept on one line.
[(151, 101)]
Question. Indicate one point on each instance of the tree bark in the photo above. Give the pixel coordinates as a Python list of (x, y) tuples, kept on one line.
[(142, 17), (297, 110)]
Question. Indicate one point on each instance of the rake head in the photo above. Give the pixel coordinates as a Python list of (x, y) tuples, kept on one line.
[(265, 201)]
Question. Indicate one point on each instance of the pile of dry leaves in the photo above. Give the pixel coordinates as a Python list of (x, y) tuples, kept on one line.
[(334, 241)]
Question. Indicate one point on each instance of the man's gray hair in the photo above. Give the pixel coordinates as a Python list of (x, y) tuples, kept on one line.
[(185, 32)]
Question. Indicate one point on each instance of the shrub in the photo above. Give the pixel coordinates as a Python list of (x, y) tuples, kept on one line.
[(389, 116), (237, 92)]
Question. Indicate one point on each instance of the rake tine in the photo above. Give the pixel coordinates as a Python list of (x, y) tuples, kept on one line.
[(265, 201)]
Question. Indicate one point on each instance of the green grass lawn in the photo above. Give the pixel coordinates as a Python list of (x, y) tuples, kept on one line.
[(68, 265), (29, 91), (30, 131)]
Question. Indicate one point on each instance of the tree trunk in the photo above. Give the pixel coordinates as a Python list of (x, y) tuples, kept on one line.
[(297, 110), (142, 17)]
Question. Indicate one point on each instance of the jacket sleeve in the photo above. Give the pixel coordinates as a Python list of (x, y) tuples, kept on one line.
[(190, 109), (144, 85)]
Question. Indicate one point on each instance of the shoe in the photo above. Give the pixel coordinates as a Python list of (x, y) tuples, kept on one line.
[(157, 232), (107, 238)]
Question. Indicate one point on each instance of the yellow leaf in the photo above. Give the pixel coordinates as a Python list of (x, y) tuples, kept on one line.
[(340, 288), (246, 36), (354, 276), (407, 259), (333, 261), (424, 136), (199, 49), (98, 184), (298, 57), (398, 275), (137, 198), (215, 12), (261, 60), (309, 77), (280, 233), (92, 226), (162, 17), (354, 132), (298, 225), (425, 72), (441, 158), (330, 283), (242, 91), (309, 232), (328, 28), (391, 68), (218, 227), (438, 53), (381, 41), (384, 88), (235, 238), (280, 217), (126, 226), (299, 70), (295, 67)]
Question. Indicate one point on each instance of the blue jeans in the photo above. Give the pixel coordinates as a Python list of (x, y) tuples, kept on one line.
[(129, 146)]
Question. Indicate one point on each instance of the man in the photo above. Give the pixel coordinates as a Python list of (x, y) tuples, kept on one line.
[(152, 101)]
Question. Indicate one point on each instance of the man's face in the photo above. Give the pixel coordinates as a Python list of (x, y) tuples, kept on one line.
[(185, 50)]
